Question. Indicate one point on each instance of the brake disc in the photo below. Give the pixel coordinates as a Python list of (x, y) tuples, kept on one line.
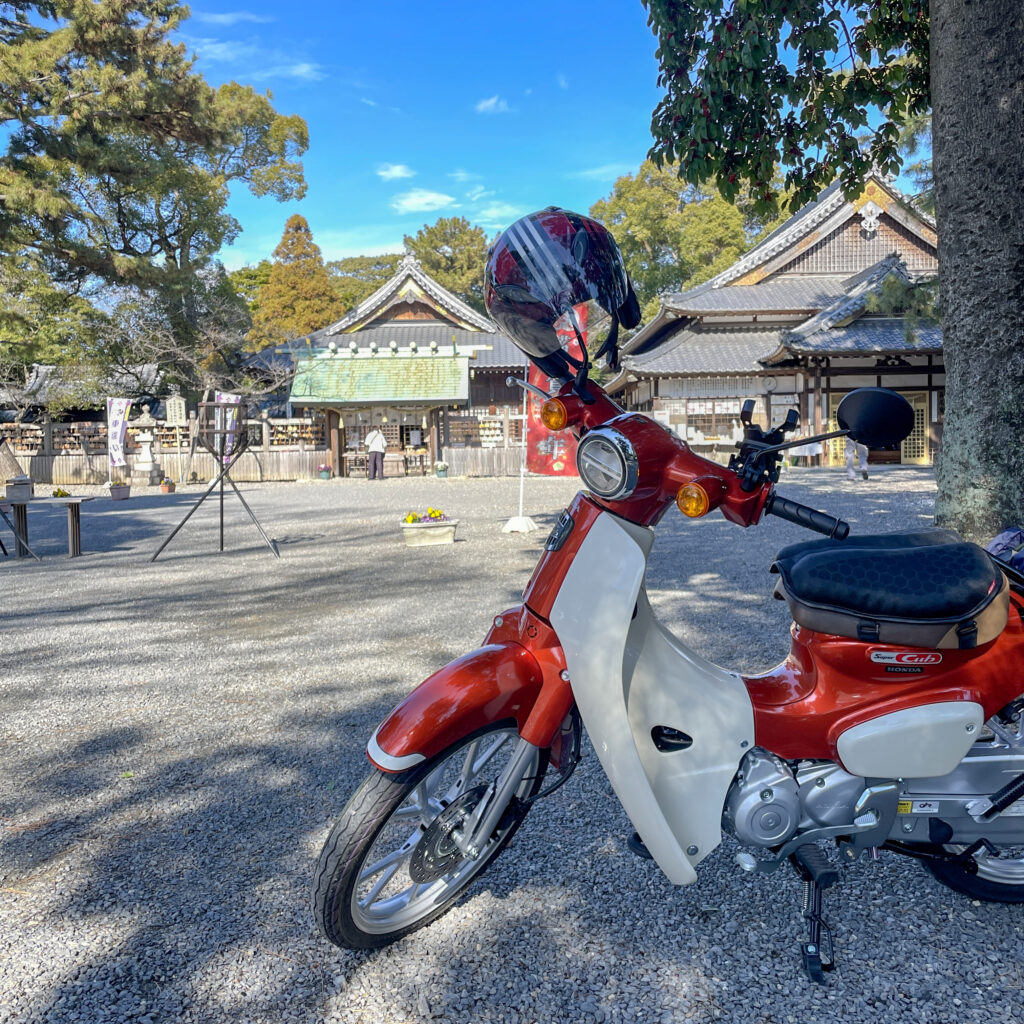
[(437, 853)]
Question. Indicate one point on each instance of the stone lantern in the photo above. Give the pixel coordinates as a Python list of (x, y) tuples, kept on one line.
[(146, 470)]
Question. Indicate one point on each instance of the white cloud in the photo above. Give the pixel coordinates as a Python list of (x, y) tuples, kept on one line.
[(461, 175), (494, 105), (606, 172), (369, 103), (224, 52), (563, 82), (306, 71), (500, 214), (389, 172), (421, 200), (232, 18), (478, 192), (256, 62)]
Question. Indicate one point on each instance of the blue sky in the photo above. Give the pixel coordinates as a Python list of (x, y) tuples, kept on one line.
[(437, 108)]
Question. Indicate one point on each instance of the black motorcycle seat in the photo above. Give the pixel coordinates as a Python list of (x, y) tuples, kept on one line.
[(922, 585)]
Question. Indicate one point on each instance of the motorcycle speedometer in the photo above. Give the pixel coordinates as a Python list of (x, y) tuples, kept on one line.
[(607, 464)]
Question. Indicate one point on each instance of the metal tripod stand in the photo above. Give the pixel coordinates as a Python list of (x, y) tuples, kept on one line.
[(222, 433)]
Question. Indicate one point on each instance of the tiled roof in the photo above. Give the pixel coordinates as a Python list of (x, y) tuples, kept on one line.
[(784, 294), (866, 335), (700, 349), (383, 379), (493, 351), (410, 268)]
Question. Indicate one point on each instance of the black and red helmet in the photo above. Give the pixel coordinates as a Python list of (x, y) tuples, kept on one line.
[(542, 266)]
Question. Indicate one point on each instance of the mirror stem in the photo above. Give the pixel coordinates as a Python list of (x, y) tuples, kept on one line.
[(767, 450)]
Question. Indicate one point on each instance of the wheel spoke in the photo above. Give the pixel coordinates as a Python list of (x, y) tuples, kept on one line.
[(385, 899), (467, 774), (392, 859), (378, 886), (488, 754)]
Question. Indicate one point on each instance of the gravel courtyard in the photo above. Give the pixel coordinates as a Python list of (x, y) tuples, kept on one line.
[(176, 738)]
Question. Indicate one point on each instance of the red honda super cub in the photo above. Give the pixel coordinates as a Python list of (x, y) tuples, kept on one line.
[(895, 722)]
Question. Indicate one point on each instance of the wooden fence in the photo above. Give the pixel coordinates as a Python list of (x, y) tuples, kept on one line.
[(64, 454), (76, 453), (483, 461)]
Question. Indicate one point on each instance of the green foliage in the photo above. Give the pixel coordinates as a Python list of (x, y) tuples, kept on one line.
[(916, 302), (41, 322), (355, 278), (120, 157), (916, 141), (454, 253), (247, 282), (298, 297), (672, 236), (77, 74), (733, 111)]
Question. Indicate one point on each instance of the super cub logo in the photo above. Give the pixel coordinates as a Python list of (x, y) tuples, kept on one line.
[(905, 660)]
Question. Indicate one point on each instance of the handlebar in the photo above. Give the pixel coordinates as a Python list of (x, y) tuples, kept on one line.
[(804, 515)]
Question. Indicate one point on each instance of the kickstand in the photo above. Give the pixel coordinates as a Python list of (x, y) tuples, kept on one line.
[(817, 952), (816, 873)]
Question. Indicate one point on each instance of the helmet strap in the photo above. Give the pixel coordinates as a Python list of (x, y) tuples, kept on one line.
[(580, 384), (610, 345)]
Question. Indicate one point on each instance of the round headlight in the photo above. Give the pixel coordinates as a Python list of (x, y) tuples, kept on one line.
[(607, 464)]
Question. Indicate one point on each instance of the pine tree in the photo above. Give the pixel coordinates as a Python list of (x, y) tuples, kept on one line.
[(298, 298), (453, 252)]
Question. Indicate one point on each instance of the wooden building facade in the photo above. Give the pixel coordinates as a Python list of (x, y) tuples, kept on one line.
[(791, 324), (416, 361)]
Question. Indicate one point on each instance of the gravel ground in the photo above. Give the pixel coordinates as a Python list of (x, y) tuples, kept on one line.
[(176, 739)]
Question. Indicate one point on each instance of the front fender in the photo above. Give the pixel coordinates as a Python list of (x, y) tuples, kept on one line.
[(495, 683)]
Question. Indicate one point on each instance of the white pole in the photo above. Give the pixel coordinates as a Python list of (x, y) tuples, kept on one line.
[(521, 523)]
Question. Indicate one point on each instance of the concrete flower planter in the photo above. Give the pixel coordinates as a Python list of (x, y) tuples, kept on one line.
[(440, 532), (119, 492)]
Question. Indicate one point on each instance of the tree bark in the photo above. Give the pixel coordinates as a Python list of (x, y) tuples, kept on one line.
[(977, 85)]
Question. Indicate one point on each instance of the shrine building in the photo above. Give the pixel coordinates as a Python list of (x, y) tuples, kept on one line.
[(789, 325), (418, 362)]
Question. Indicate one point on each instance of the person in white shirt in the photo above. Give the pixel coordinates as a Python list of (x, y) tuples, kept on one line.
[(856, 452), (376, 445)]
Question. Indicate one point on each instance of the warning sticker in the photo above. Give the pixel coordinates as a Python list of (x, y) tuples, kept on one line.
[(904, 807)]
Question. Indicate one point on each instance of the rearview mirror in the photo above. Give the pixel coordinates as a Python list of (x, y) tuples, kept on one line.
[(876, 417)]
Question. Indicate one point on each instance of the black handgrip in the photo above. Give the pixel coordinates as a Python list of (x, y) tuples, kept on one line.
[(804, 515)]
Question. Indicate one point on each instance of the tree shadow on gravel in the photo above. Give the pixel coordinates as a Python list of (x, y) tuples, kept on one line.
[(152, 872), (196, 871)]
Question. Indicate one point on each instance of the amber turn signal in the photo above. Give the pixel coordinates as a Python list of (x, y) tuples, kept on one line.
[(554, 415), (693, 500)]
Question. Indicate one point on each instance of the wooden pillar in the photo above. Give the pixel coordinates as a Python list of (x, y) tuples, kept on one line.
[(334, 440), (823, 458), (431, 439)]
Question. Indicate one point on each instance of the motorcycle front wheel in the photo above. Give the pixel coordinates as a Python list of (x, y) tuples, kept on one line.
[(389, 865)]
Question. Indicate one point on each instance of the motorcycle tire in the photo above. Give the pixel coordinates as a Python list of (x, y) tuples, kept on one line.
[(999, 880), (397, 826)]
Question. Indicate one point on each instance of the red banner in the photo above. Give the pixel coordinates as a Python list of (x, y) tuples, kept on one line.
[(548, 453)]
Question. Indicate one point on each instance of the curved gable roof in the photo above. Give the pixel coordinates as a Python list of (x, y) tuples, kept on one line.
[(411, 281)]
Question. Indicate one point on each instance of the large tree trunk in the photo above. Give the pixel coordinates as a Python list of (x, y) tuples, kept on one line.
[(977, 84)]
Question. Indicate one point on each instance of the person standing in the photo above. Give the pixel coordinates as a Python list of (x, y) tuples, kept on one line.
[(858, 451), (376, 445)]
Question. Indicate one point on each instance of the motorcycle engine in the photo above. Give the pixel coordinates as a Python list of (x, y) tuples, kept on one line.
[(768, 804), (763, 805)]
